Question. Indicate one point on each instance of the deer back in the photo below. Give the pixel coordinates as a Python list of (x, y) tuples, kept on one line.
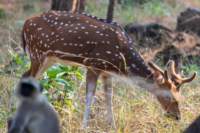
[(82, 39)]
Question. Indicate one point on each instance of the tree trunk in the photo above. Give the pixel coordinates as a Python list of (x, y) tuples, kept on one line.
[(68, 5), (82, 6), (75, 6), (110, 11), (119, 1), (61, 5)]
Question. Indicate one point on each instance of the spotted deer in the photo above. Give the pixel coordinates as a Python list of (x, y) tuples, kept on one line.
[(104, 49)]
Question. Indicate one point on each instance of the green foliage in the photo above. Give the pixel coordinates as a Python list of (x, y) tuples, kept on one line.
[(3, 115), (191, 64), (18, 63), (60, 83), (98, 8), (156, 8), (19, 23), (28, 7), (62, 78), (133, 2), (2, 13), (191, 68)]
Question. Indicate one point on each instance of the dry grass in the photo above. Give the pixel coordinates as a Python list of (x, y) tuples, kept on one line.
[(135, 110)]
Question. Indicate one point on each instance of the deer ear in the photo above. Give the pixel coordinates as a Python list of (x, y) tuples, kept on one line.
[(159, 78), (158, 73)]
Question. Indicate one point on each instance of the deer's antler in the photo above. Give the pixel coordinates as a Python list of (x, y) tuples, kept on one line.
[(171, 65)]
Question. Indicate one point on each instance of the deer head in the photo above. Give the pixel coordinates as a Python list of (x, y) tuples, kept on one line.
[(168, 91)]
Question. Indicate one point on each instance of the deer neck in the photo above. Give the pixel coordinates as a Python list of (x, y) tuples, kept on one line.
[(139, 72), (136, 64)]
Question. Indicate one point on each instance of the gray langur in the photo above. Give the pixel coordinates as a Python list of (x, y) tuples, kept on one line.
[(34, 114)]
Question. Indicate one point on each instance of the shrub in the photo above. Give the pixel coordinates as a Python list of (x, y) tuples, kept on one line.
[(2, 13)]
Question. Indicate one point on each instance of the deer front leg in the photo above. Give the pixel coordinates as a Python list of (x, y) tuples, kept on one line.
[(37, 68), (108, 95), (34, 68), (91, 83)]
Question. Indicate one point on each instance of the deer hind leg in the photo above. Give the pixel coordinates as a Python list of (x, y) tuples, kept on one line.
[(91, 83), (108, 95)]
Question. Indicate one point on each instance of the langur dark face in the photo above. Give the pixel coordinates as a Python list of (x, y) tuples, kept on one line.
[(28, 87)]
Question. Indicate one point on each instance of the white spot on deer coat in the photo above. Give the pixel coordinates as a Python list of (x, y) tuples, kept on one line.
[(39, 29), (108, 52), (52, 33), (133, 65), (117, 47)]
